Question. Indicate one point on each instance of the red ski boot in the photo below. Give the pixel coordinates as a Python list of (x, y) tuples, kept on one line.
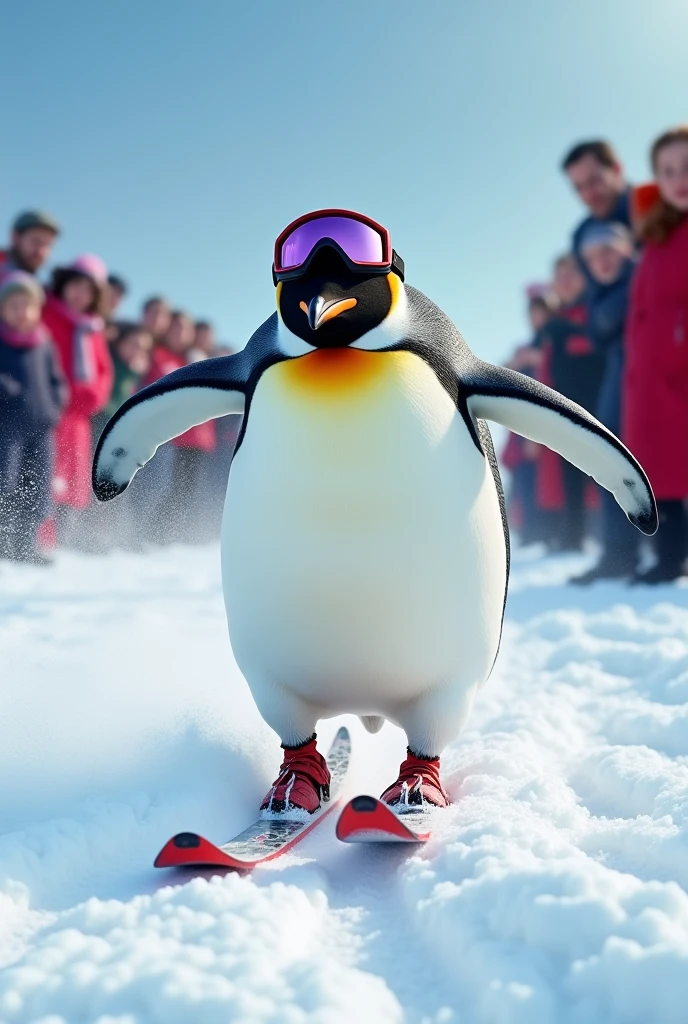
[(303, 781), (418, 783)]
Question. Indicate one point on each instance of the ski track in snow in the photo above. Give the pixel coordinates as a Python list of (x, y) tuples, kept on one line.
[(553, 891)]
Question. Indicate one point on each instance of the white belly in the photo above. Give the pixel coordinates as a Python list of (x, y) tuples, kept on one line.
[(362, 548)]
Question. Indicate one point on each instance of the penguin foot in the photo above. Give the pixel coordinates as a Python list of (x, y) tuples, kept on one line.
[(418, 783), (303, 781)]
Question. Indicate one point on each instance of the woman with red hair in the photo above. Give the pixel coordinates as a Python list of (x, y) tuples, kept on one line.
[(655, 415)]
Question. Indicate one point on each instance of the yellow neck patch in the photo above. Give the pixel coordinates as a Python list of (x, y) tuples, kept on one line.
[(334, 371)]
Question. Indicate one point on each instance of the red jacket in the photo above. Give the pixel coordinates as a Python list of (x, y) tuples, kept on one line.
[(163, 362), (655, 397), (73, 437), (569, 366)]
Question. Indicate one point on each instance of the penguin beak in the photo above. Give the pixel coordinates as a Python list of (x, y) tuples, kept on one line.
[(319, 310)]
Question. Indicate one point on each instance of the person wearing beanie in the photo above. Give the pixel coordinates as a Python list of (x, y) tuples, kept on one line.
[(33, 393), (608, 253), (73, 314), (33, 235)]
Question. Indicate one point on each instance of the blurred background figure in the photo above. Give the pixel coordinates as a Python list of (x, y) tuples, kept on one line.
[(181, 508), (204, 341), (571, 366), (115, 293), (656, 384), (74, 316), (520, 456), (33, 393), (131, 359), (33, 235), (607, 253), (120, 523), (155, 317), (597, 175)]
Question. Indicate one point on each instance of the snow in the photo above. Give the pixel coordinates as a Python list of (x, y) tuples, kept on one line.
[(552, 892)]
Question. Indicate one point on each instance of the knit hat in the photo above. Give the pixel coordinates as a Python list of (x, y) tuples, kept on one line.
[(90, 266), (606, 232), (19, 281), (35, 219)]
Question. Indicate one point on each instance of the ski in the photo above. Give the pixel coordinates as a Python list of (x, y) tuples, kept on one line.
[(366, 819), (268, 836)]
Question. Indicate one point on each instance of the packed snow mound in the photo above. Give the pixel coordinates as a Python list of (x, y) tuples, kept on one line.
[(552, 892), (212, 951)]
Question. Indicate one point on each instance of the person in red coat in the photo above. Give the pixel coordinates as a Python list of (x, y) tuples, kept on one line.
[(655, 415), (178, 514), (72, 314)]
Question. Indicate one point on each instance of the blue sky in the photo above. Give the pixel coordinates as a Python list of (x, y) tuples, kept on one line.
[(177, 139)]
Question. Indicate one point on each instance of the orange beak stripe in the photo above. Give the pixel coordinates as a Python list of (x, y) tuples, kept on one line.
[(336, 308)]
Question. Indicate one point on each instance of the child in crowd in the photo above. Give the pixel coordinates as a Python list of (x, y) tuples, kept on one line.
[(131, 355), (120, 522), (571, 366), (155, 317), (204, 342), (182, 511), (608, 252), (520, 455), (655, 421), (33, 393), (73, 315)]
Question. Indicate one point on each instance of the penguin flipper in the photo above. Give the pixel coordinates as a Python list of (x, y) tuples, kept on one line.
[(163, 410), (537, 412)]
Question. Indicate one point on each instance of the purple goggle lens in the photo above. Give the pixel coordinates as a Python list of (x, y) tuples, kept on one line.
[(361, 242)]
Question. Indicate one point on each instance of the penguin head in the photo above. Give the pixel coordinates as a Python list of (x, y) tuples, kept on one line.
[(330, 299)]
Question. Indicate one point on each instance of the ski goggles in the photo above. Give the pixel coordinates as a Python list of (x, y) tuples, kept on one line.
[(364, 245)]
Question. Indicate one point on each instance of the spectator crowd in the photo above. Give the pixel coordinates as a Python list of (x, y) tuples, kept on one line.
[(67, 362), (610, 331)]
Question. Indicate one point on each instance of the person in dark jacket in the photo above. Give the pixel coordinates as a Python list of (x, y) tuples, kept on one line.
[(607, 250), (596, 173), (33, 393), (33, 236), (571, 366)]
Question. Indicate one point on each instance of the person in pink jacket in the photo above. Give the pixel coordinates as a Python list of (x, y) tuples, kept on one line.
[(73, 315)]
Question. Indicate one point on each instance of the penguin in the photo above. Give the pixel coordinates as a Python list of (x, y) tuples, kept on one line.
[(364, 544)]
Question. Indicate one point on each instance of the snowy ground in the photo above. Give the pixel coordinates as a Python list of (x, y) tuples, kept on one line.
[(552, 893)]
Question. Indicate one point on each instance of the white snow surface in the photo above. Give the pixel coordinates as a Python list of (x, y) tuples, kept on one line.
[(552, 892)]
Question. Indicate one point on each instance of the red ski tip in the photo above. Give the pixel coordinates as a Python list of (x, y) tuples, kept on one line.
[(189, 848), (366, 819)]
